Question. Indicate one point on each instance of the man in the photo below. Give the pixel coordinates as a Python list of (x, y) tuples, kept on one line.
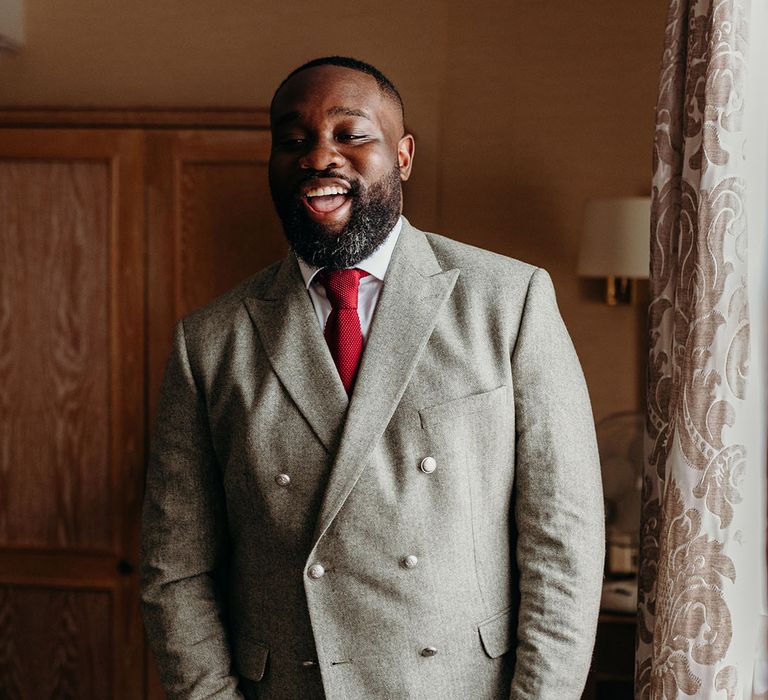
[(398, 500)]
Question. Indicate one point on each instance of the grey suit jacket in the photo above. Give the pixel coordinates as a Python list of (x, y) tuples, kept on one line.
[(467, 362)]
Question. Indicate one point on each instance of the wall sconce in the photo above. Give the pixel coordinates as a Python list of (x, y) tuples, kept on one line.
[(615, 245), (11, 25)]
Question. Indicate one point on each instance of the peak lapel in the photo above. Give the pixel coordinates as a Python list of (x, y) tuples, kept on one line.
[(414, 290), (287, 326)]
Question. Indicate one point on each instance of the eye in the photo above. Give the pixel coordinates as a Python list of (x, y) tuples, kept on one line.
[(348, 138), (289, 138), (291, 142)]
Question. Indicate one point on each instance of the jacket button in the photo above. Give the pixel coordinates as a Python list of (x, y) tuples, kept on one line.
[(428, 651), (428, 465), (316, 571), (282, 480), (410, 561), (308, 664)]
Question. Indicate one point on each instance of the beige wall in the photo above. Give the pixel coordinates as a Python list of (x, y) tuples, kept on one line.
[(522, 109)]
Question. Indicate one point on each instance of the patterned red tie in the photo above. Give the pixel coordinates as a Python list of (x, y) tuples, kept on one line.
[(342, 329)]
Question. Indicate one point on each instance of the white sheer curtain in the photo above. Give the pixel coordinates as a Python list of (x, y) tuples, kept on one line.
[(755, 600), (702, 578)]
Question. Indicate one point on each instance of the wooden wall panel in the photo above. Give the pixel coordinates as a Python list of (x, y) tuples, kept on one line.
[(210, 223), (54, 355), (228, 228), (88, 295), (55, 644), (72, 412)]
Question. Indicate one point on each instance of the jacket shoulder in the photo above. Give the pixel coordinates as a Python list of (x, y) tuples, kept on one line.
[(482, 268), (227, 307)]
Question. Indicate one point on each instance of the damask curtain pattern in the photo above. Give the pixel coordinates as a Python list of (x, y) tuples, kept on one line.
[(699, 580)]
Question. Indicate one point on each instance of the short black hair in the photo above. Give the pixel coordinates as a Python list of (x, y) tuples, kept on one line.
[(384, 83)]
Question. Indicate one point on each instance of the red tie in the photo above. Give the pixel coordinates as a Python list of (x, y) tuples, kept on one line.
[(342, 329)]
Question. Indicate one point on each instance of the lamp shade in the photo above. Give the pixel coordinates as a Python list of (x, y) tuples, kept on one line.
[(616, 238)]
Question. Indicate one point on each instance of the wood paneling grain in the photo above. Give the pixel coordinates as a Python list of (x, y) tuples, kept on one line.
[(210, 224), (228, 228), (72, 412), (87, 295), (55, 644), (54, 358), (11, 666)]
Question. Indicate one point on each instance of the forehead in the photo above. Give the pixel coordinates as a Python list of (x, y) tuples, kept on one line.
[(325, 88)]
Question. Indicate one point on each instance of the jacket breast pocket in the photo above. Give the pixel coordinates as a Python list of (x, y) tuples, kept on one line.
[(464, 406), (498, 633), (250, 658)]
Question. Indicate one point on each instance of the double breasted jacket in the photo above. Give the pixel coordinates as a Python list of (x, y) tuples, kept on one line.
[(437, 535)]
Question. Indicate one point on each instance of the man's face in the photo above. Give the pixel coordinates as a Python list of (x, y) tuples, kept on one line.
[(338, 158)]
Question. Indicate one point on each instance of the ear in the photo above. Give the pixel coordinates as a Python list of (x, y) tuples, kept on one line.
[(405, 150)]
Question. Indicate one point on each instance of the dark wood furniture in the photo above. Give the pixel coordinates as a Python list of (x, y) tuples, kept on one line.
[(611, 676)]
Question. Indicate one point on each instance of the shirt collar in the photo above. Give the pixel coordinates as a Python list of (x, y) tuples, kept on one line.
[(375, 264)]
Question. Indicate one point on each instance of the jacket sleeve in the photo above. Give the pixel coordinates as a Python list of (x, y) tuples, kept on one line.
[(558, 506), (183, 543)]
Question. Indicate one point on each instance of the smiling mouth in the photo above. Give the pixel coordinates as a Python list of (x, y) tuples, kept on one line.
[(325, 200)]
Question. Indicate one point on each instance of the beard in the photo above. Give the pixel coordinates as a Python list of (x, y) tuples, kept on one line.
[(373, 214)]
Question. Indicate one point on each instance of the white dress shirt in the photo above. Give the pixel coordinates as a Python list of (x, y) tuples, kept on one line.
[(370, 287)]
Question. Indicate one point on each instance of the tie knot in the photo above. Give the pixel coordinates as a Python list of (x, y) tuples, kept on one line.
[(341, 287)]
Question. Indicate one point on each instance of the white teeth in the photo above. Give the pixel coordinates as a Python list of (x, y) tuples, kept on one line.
[(326, 191)]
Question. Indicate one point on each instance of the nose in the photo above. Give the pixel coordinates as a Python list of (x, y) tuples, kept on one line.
[(321, 155)]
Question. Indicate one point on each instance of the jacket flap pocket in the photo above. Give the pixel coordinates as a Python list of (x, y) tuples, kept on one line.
[(461, 407), (250, 658), (498, 634)]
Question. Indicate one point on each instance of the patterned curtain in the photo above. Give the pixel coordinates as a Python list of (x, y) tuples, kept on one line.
[(700, 580)]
